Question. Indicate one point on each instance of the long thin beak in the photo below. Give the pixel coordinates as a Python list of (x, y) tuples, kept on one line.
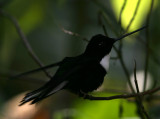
[(130, 33)]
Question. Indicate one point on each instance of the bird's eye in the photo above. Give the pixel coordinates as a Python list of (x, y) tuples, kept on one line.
[(100, 44)]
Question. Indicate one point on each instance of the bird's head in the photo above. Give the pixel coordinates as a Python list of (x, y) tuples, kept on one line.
[(101, 45)]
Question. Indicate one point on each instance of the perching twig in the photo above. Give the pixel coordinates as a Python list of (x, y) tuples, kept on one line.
[(25, 40), (123, 96)]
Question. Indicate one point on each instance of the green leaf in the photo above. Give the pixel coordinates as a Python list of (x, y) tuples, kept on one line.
[(129, 11), (104, 109)]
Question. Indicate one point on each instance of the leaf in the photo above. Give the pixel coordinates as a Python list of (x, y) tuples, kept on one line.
[(129, 11)]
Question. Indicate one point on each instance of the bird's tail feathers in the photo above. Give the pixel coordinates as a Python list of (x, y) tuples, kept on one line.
[(41, 93), (31, 96)]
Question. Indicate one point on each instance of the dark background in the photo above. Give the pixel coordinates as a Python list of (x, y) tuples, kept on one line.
[(42, 21)]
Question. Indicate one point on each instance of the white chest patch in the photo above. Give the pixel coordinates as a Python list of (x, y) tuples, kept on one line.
[(105, 62)]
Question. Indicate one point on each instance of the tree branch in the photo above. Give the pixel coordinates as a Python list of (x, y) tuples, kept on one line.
[(25, 40), (123, 96)]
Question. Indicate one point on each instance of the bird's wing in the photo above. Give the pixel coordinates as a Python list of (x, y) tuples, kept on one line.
[(68, 67), (36, 70)]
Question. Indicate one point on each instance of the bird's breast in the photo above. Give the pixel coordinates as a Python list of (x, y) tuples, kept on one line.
[(105, 62)]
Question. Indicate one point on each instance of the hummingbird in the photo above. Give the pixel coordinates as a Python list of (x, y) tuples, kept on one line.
[(81, 74)]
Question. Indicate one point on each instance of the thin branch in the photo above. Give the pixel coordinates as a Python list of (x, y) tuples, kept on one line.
[(104, 29), (72, 33), (101, 23), (134, 15), (106, 19), (135, 76), (36, 70), (126, 72), (119, 53), (147, 46), (6, 75), (106, 9), (121, 12), (139, 98), (152, 54), (121, 58), (123, 96), (25, 40)]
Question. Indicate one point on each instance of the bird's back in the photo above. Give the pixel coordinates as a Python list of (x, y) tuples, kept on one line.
[(81, 73)]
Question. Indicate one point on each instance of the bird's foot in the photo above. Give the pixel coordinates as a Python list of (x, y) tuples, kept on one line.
[(84, 95)]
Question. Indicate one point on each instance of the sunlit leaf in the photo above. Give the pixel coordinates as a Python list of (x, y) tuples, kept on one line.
[(104, 109), (129, 11)]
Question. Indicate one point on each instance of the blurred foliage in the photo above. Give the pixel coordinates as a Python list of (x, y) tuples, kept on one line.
[(103, 109), (40, 20), (98, 109), (129, 11)]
